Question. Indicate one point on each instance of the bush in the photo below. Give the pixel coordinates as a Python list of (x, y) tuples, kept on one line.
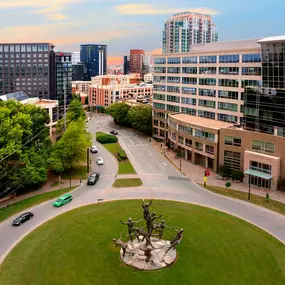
[(237, 175), (224, 171), (122, 154), (106, 138), (228, 184)]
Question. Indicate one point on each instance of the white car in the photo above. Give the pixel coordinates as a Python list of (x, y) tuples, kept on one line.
[(93, 149), (100, 161)]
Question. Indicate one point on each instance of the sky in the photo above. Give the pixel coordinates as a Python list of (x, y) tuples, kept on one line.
[(128, 24)]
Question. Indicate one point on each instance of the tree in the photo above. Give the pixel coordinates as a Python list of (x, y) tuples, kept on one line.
[(140, 118), (119, 111), (71, 148), (228, 184)]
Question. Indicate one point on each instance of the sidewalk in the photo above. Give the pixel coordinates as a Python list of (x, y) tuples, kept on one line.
[(196, 174)]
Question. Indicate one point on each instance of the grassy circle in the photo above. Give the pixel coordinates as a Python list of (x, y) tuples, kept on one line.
[(76, 248)]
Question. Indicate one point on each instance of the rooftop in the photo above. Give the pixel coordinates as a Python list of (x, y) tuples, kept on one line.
[(203, 122), (46, 101), (273, 39)]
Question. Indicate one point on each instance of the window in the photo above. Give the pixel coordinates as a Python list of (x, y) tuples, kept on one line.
[(232, 159), (227, 118), (174, 89), (245, 83), (173, 60), (160, 60), (159, 70), (228, 94), (40, 48), (189, 70), (158, 87), (263, 146), (207, 70), (207, 103), (233, 58), (188, 111), (189, 101), (229, 140), (189, 59), (207, 59), (172, 79), (228, 106), (158, 106), (173, 70), (185, 129), (172, 124), (188, 142), (250, 111), (159, 79), (280, 132), (189, 90), (207, 92), (251, 58), (199, 146), (207, 81), (172, 108), (180, 139), (171, 98), (209, 149), (251, 71), (229, 70), (155, 122), (260, 167), (228, 82), (206, 114), (204, 135), (160, 97), (34, 48), (45, 47), (189, 80)]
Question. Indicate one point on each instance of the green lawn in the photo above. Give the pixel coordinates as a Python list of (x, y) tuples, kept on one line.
[(77, 173), (128, 182), (255, 199), (217, 249), (30, 202)]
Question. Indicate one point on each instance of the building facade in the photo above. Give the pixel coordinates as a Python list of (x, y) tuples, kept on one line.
[(136, 60), (126, 65), (148, 77), (183, 30), (75, 57), (79, 72), (109, 89), (95, 58)]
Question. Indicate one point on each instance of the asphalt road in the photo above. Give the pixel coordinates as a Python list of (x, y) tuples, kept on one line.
[(160, 182)]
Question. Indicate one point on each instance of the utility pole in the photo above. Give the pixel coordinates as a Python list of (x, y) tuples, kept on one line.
[(87, 160), (64, 94), (249, 180)]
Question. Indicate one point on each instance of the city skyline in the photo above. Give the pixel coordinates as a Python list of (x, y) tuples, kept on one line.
[(69, 23)]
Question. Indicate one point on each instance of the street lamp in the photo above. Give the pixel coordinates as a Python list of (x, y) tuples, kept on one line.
[(249, 180)]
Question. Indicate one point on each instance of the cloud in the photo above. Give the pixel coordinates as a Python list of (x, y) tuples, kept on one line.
[(154, 51), (115, 60), (147, 9), (56, 17)]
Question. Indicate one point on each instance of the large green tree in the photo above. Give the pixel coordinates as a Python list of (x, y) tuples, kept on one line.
[(119, 111), (70, 150), (24, 146)]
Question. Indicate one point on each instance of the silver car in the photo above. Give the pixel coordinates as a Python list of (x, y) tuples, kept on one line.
[(100, 161)]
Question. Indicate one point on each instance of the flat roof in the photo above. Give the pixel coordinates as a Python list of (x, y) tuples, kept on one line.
[(273, 39), (203, 122)]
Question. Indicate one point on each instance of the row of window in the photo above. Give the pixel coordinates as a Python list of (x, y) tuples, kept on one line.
[(23, 48), (233, 58)]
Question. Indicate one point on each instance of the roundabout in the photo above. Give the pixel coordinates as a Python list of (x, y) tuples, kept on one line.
[(77, 247)]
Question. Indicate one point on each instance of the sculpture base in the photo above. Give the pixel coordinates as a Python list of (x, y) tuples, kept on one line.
[(137, 257)]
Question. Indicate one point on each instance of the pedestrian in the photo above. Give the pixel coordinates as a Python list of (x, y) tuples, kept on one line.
[(205, 181)]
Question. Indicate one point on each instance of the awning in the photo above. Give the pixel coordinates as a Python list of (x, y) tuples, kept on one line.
[(258, 174)]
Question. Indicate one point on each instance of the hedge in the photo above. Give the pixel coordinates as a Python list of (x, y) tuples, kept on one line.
[(122, 155), (103, 139)]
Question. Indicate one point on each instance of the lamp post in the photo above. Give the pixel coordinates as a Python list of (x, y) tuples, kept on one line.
[(164, 138), (249, 180)]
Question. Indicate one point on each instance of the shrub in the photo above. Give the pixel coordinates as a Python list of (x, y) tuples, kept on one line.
[(122, 154), (267, 197), (224, 170), (228, 184), (237, 175), (106, 138)]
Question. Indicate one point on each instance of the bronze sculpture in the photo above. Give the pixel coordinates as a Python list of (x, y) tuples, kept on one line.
[(176, 240), (123, 245), (130, 223), (159, 228)]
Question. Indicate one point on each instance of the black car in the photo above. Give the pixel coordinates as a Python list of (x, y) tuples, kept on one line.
[(93, 178), (22, 218), (114, 132)]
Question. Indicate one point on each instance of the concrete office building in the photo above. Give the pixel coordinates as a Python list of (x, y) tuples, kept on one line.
[(182, 30), (79, 71), (95, 58), (136, 60)]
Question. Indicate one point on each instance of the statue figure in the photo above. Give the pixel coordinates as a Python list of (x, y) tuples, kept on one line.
[(122, 244), (146, 236), (176, 240), (146, 206), (159, 228), (147, 253), (131, 224), (149, 222)]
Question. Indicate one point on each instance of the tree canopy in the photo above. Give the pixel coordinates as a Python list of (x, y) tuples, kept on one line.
[(24, 146), (119, 111)]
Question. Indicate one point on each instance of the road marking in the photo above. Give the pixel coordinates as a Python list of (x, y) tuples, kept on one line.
[(138, 145), (164, 164), (129, 145), (150, 153), (149, 165), (146, 144)]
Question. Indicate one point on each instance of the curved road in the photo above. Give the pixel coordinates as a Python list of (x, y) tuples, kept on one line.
[(161, 181)]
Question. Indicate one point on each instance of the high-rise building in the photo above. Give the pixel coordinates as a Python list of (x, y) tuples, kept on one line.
[(185, 29), (75, 57), (95, 58), (126, 65), (79, 71), (26, 67), (136, 60)]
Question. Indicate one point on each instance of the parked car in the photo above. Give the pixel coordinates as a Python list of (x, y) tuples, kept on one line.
[(22, 218), (114, 132), (93, 178), (93, 149), (63, 200), (100, 161)]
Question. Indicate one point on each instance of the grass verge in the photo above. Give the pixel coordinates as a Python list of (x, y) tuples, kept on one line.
[(127, 182), (30, 202), (255, 199), (216, 249)]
